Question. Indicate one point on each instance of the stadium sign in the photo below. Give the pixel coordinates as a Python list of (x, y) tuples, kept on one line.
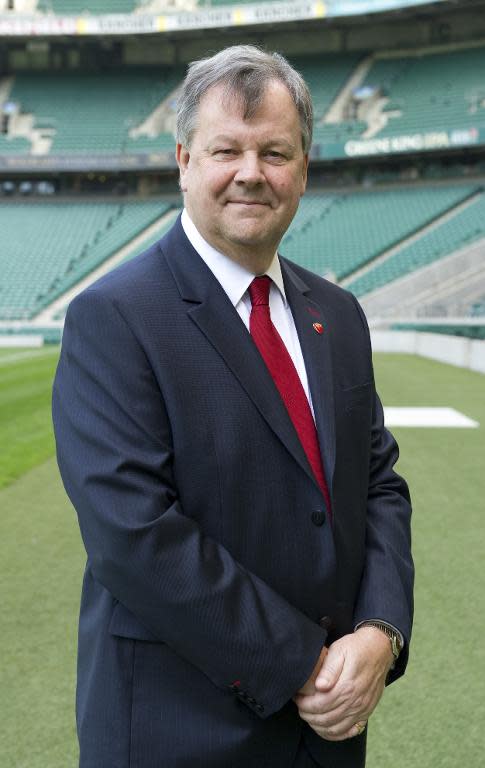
[(83, 163), (417, 142), (204, 18), (139, 24)]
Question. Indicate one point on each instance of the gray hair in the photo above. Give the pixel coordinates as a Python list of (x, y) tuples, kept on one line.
[(244, 71)]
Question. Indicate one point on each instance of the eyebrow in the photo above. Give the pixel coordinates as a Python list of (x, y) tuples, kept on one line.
[(279, 142)]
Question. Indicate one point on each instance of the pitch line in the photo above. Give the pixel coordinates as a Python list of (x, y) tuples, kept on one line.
[(26, 355)]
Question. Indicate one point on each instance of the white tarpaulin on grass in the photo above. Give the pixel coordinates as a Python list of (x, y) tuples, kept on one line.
[(426, 417)]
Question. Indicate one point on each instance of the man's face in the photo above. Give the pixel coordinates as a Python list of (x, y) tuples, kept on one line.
[(243, 179)]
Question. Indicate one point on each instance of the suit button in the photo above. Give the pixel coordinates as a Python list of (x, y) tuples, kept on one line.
[(325, 622), (318, 517)]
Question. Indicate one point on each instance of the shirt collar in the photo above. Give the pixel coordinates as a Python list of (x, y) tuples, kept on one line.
[(233, 277)]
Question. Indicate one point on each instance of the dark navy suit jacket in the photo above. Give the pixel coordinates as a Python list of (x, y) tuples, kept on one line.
[(214, 576)]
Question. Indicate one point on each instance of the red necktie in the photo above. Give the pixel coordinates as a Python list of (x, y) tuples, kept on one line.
[(285, 376)]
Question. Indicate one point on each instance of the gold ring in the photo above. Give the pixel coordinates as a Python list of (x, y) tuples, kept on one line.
[(360, 728)]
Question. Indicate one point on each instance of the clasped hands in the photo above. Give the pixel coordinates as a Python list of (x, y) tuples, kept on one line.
[(346, 684)]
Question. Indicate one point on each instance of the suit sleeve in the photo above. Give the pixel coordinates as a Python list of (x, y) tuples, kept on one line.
[(386, 590), (115, 454)]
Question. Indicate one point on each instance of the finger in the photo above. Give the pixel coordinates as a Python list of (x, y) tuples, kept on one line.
[(342, 700), (358, 728), (313, 704), (330, 671), (340, 718), (318, 705), (339, 732), (330, 736), (344, 694)]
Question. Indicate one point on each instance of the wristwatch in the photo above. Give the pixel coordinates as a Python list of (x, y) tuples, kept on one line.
[(394, 636)]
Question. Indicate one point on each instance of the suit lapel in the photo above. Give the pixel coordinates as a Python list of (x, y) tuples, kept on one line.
[(315, 348), (210, 309)]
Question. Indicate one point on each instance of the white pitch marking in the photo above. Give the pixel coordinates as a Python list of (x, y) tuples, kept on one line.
[(427, 417), (28, 354)]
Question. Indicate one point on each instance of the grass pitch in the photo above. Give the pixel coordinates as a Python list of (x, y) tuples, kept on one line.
[(432, 718), (25, 395)]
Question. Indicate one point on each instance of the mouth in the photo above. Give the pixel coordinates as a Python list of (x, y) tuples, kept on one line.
[(247, 202)]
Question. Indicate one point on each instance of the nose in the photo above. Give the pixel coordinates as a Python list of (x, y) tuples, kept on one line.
[(249, 171)]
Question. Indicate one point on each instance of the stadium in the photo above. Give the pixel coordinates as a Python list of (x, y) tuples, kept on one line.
[(394, 213)]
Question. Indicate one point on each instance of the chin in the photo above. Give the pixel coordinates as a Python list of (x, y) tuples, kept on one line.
[(251, 229)]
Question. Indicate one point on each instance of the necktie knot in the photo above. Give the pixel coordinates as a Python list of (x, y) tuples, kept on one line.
[(259, 291)]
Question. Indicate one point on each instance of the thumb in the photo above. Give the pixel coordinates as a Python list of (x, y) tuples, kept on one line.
[(330, 671)]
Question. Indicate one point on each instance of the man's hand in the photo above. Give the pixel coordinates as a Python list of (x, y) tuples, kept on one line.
[(348, 686), (309, 687)]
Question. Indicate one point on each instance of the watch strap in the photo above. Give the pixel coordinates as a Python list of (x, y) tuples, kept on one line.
[(394, 636)]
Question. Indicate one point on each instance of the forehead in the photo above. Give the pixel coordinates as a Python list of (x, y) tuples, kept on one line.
[(222, 111)]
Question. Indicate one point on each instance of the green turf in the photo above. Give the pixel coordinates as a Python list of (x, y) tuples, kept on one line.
[(41, 560), (432, 718), (25, 420)]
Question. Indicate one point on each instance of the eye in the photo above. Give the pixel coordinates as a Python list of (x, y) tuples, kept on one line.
[(224, 152), (275, 156)]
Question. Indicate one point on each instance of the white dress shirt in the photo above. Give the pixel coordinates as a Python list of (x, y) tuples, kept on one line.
[(235, 280)]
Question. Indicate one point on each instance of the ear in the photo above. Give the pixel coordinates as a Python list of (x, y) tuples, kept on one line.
[(182, 155), (304, 175)]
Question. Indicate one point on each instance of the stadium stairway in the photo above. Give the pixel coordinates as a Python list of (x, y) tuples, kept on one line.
[(339, 233), (451, 286), (463, 223), (336, 111), (21, 6), (53, 246), (56, 311), (450, 95), (87, 113)]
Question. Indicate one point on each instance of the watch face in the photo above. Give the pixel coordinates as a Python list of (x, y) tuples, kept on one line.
[(396, 644)]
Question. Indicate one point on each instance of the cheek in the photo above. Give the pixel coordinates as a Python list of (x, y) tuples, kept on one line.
[(211, 178), (217, 182), (288, 187), (290, 194)]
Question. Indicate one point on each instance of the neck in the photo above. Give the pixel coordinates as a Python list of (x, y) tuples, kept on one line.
[(257, 263), (254, 257)]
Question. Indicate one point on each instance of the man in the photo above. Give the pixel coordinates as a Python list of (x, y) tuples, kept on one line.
[(220, 436)]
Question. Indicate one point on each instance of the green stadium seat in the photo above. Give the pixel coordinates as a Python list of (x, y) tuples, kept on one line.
[(79, 7), (478, 308), (16, 146), (340, 233), (325, 76), (51, 246), (94, 112), (449, 97), (464, 228)]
